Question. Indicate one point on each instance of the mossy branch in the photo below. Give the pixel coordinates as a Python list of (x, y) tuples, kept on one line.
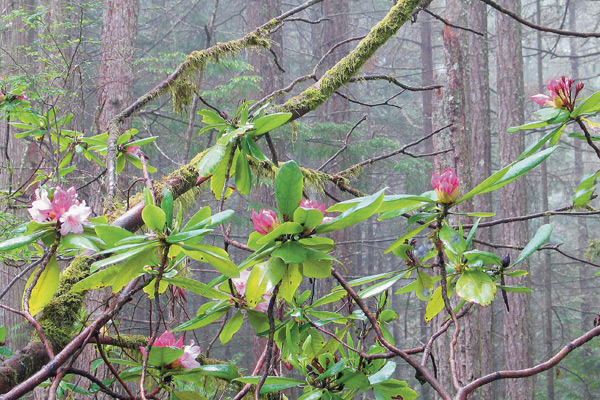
[(347, 67)]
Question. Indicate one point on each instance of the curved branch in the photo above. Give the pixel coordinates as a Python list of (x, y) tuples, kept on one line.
[(523, 373)]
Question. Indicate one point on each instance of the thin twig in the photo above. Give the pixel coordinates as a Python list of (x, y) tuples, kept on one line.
[(448, 23), (333, 157)]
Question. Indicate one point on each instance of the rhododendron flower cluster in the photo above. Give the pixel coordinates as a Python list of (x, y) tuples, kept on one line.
[(61, 206), (190, 353), (446, 185), (240, 287), (307, 203), (265, 221), (563, 93)]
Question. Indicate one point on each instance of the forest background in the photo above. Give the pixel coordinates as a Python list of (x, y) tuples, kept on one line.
[(457, 74)]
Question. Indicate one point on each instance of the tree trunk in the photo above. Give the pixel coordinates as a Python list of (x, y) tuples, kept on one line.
[(512, 197)]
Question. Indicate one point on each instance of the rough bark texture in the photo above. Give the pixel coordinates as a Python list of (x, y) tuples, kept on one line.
[(513, 197), (115, 77), (481, 319)]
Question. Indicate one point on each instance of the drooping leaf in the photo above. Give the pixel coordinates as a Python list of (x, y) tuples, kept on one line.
[(243, 178), (269, 122), (476, 286), (272, 383), (211, 159), (44, 289), (360, 212), (21, 241), (290, 282), (231, 327), (166, 204)]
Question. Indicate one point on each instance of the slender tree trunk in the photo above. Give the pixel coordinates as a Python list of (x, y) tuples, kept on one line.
[(513, 197)]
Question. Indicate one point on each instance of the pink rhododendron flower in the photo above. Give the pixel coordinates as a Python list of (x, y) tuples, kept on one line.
[(240, 285), (446, 185), (306, 203), (64, 208), (265, 221), (190, 353), (563, 93)]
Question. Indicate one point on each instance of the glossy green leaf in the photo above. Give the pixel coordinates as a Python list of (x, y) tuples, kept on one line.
[(231, 327), (211, 117), (471, 234), (221, 371), (435, 305), (2, 334), (213, 255), (163, 356), (541, 236), (394, 389), (243, 178), (287, 228), (317, 268), (528, 125), (379, 287), (557, 133), (517, 272), (508, 174), (516, 289), (312, 395), (290, 282), (111, 234), (452, 240), (269, 122), (130, 270), (154, 218), (219, 174), (400, 242), (188, 235), (358, 213), (264, 275), (211, 159), (291, 252), (197, 287), (330, 298), (44, 289), (166, 204), (142, 142), (424, 286), (21, 241), (288, 188), (482, 257), (204, 319), (196, 221), (476, 286), (187, 395), (308, 217), (384, 374), (97, 280), (255, 151), (272, 383), (591, 104)]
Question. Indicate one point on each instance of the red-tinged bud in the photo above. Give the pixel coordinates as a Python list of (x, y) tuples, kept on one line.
[(202, 179), (563, 93), (288, 365), (446, 185), (265, 221)]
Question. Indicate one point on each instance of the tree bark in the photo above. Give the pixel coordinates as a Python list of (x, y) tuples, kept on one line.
[(512, 197)]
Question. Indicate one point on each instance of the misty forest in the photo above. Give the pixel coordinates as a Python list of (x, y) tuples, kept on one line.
[(300, 199)]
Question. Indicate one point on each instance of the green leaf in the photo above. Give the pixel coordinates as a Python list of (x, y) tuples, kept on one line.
[(591, 104), (243, 178), (317, 268), (132, 268), (290, 282), (288, 188), (188, 235), (379, 287), (231, 327), (21, 241), (541, 236), (291, 252), (255, 151), (452, 240), (211, 315), (44, 289), (424, 286), (330, 298), (163, 356), (272, 383), (517, 272), (213, 255), (218, 179), (476, 286), (557, 133), (528, 125), (97, 280), (308, 217), (508, 174), (2, 333), (154, 218), (221, 371), (187, 395), (269, 122), (394, 389), (263, 275), (535, 146), (111, 234), (399, 243), (482, 257), (435, 305), (197, 287), (166, 204), (358, 213), (516, 289), (210, 117), (287, 228), (198, 220), (384, 374), (367, 279), (312, 395), (211, 159)]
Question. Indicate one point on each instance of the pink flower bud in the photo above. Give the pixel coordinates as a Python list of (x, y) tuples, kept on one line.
[(306, 203), (265, 221), (190, 353), (446, 185)]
